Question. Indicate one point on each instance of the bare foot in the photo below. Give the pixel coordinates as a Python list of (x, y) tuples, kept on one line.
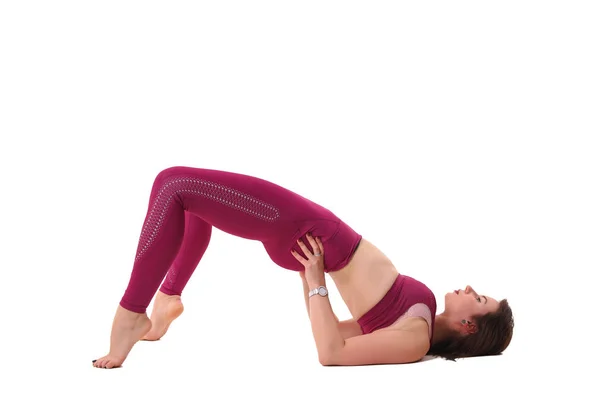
[(166, 308), (128, 327)]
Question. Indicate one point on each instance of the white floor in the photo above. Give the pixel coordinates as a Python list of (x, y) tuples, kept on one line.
[(460, 139)]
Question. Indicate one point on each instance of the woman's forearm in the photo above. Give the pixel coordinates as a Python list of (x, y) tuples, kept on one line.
[(305, 288), (325, 328)]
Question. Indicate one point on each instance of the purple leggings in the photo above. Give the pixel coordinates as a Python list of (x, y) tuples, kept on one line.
[(186, 203)]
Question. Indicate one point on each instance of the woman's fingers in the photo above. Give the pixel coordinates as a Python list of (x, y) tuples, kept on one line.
[(303, 247), (313, 244), (320, 244), (317, 247), (299, 257)]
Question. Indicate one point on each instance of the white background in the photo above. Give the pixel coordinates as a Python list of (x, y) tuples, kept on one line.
[(459, 137)]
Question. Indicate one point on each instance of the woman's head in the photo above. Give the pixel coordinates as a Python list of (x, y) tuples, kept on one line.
[(476, 325)]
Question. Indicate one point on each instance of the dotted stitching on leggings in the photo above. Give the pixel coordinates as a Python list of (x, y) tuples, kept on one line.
[(211, 190), (171, 276)]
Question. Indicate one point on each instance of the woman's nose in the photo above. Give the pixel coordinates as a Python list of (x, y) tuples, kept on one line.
[(470, 290)]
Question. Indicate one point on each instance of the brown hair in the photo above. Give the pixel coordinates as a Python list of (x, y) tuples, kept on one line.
[(494, 333)]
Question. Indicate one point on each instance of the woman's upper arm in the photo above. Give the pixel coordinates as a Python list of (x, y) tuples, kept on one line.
[(381, 347), (349, 328)]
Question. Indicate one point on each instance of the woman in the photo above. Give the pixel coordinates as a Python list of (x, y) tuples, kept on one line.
[(394, 316)]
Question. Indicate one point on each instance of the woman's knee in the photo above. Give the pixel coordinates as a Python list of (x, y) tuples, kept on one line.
[(168, 173)]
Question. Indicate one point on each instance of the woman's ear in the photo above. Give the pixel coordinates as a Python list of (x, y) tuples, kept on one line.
[(468, 327)]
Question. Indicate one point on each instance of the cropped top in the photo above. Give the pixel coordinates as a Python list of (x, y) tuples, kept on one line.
[(407, 297)]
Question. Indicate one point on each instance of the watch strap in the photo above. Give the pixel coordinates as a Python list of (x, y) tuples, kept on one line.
[(317, 291)]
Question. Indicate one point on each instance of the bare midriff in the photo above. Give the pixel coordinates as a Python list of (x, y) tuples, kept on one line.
[(366, 279)]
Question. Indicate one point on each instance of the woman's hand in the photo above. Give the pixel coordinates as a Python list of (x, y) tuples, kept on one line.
[(314, 266)]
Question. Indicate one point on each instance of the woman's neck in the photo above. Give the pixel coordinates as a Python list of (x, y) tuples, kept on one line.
[(443, 329)]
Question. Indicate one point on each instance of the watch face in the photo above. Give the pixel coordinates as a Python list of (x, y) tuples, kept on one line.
[(322, 291)]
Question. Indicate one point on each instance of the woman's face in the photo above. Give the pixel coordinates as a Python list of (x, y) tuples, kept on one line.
[(467, 303)]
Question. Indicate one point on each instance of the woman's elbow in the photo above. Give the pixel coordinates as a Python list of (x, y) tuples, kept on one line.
[(326, 361), (327, 358)]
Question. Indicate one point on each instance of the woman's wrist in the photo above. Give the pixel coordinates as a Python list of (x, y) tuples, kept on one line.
[(314, 283)]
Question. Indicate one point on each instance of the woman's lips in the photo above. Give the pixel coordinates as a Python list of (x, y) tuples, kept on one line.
[(456, 291)]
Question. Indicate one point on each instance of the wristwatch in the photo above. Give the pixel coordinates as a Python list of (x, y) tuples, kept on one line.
[(321, 291)]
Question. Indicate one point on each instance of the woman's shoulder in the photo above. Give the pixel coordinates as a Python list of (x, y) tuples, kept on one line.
[(417, 318)]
